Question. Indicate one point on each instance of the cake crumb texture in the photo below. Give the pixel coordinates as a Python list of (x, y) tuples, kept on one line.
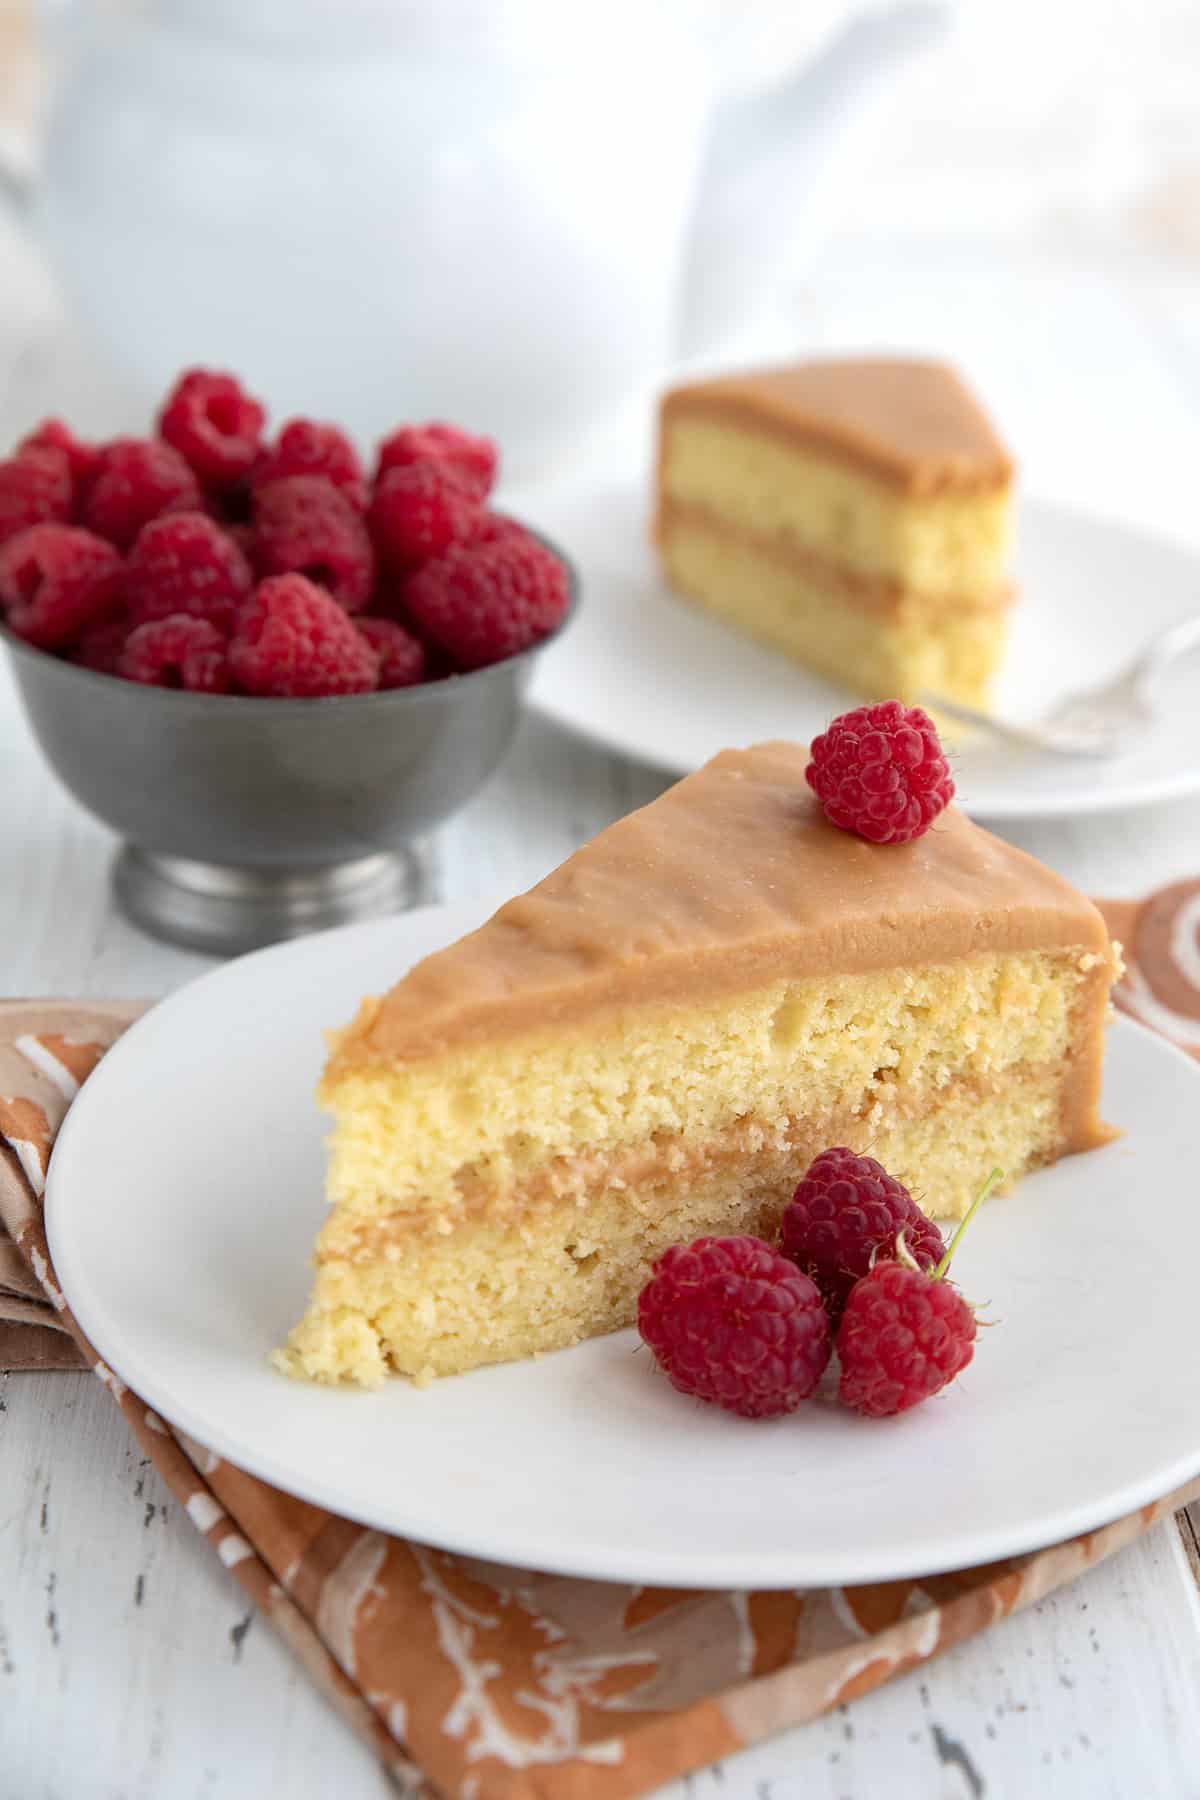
[(430, 1139), (505, 1201), (572, 1268)]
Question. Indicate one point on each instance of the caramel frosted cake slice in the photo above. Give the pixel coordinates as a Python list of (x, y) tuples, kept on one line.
[(855, 514), (655, 1041)]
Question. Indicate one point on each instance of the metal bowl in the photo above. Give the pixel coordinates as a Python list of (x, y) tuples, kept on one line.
[(248, 820)]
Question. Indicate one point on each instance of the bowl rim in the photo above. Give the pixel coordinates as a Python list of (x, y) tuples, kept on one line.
[(422, 692)]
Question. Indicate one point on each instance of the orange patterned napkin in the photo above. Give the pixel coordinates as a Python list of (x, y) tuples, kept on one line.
[(47, 1048), (1160, 939), (490, 1683)]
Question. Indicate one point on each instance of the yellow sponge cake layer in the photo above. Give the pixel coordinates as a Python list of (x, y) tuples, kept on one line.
[(584, 1159), (468, 1132), (654, 1042), (559, 1268)]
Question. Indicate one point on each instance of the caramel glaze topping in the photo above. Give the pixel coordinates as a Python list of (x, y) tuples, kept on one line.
[(914, 424), (730, 881)]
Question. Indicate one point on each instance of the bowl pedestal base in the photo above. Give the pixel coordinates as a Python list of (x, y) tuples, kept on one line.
[(224, 910)]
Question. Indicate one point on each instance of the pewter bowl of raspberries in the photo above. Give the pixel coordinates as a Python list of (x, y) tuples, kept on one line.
[(271, 670)]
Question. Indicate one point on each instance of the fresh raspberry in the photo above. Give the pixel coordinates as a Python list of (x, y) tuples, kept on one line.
[(388, 606), (100, 645), (215, 426), (498, 528), (731, 1321), (54, 581), (185, 563), (178, 651), (845, 1216), (303, 525), (483, 602), (401, 655), (136, 479), (35, 489), (903, 1336), (474, 460), (419, 511), (53, 434), (292, 638), (307, 448), (880, 771)]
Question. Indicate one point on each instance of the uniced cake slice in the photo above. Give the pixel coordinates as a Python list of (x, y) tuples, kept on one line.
[(855, 514), (654, 1042)]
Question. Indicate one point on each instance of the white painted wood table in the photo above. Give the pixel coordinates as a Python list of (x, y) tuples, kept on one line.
[(129, 1666)]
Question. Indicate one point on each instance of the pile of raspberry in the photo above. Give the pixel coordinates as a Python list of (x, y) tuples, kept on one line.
[(210, 558), (858, 1270)]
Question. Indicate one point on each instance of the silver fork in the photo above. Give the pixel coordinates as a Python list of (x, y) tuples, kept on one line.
[(1099, 721)]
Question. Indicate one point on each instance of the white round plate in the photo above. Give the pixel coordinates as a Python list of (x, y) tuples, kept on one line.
[(183, 1197), (646, 673)]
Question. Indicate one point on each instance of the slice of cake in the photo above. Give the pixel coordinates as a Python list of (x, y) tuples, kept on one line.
[(854, 514), (655, 1041)]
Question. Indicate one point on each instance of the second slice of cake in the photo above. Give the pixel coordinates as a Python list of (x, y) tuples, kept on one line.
[(654, 1042), (854, 514)]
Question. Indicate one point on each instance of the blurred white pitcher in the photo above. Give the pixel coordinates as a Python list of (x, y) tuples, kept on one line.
[(515, 213)]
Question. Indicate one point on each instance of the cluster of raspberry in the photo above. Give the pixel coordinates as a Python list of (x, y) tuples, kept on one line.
[(209, 558), (859, 1270)]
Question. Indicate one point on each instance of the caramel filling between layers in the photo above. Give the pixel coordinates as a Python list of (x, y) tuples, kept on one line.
[(883, 596), (763, 1151), (943, 543), (918, 649), (503, 1288)]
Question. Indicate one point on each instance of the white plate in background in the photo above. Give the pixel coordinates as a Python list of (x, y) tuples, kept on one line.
[(648, 674)]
